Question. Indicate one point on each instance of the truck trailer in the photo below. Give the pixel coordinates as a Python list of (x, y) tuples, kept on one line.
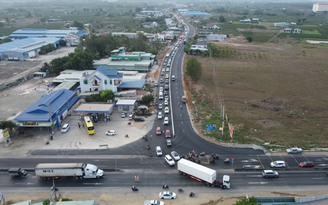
[(202, 174), (76, 170)]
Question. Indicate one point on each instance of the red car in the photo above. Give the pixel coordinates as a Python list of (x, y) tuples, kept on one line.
[(306, 164), (158, 131), (167, 133)]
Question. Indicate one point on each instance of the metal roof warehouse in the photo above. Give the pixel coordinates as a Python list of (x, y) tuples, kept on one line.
[(25, 48), (42, 32), (49, 110)]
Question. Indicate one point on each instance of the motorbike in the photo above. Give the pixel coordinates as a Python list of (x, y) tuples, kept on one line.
[(165, 186), (227, 161), (192, 194), (180, 189), (134, 188)]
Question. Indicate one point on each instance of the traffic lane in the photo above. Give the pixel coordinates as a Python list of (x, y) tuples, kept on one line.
[(284, 179)]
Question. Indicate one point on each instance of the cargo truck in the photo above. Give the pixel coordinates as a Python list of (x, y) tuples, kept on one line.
[(76, 170), (202, 174)]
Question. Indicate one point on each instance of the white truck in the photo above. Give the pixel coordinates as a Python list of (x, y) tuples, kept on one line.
[(202, 174), (76, 170)]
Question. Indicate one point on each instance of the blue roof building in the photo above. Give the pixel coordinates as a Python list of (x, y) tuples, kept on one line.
[(25, 48), (42, 32), (49, 110), (135, 84), (197, 14)]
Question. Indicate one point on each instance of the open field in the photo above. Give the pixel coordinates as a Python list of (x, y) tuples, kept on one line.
[(272, 93)]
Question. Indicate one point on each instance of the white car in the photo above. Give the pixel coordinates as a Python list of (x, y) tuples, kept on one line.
[(166, 121), (278, 164), (169, 160), (166, 102), (153, 202), (65, 128), (110, 132), (160, 106), (175, 155), (166, 110), (160, 115), (167, 195), (294, 150), (159, 151)]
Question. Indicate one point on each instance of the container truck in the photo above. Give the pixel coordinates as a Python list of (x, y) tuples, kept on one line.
[(202, 174), (76, 170)]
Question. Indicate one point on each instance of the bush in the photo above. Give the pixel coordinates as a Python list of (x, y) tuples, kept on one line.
[(249, 38)]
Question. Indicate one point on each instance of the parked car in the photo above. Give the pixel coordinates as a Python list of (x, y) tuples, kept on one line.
[(65, 128), (156, 84), (166, 110), (166, 121), (160, 106), (270, 174), (139, 119), (110, 132), (123, 115), (153, 202), (294, 150), (167, 195), (159, 151), (158, 131), (169, 160), (306, 164), (167, 69), (166, 102), (160, 115), (278, 164)]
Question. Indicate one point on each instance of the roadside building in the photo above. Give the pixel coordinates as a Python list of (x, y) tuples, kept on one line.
[(121, 60), (281, 24), (287, 30), (101, 79), (216, 37), (126, 105), (320, 6), (25, 48), (50, 110), (45, 33)]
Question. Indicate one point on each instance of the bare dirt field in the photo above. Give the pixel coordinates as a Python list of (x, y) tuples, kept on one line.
[(274, 93)]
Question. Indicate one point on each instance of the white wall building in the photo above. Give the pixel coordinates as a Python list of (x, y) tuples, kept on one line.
[(320, 6)]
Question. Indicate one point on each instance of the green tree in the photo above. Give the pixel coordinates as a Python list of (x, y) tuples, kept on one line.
[(194, 69), (147, 99), (249, 39), (222, 19), (7, 124), (77, 24), (62, 43), (107, 95), (245, 201)]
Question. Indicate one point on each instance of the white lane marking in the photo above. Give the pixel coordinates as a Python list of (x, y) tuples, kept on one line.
[(258, 182)]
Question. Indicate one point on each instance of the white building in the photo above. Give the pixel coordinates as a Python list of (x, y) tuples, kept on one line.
[(320, 6)]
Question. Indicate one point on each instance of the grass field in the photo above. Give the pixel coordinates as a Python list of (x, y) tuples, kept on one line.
[(272, 93)]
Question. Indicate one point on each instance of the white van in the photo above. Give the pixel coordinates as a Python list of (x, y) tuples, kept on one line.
[(166, 76), (160, 95)]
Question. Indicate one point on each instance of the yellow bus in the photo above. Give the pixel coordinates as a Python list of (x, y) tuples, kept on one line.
[(89, 125)]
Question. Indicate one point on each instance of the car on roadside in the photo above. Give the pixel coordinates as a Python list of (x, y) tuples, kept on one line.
[(160, 115), (167, 69), (278, 164), (139, 119), (175, 155), (167, 195), (166, 121), (166, 110), (160, 106), (153, 202), (306, 164), (294, 150), (65, 128), (110, 132), (270, 174), (123, 115), (156, 84), (169, 160)]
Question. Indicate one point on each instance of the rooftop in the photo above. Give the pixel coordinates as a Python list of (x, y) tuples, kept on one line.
[(26, 44)]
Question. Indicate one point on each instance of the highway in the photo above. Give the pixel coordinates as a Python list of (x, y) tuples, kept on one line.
[(122, 164)]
